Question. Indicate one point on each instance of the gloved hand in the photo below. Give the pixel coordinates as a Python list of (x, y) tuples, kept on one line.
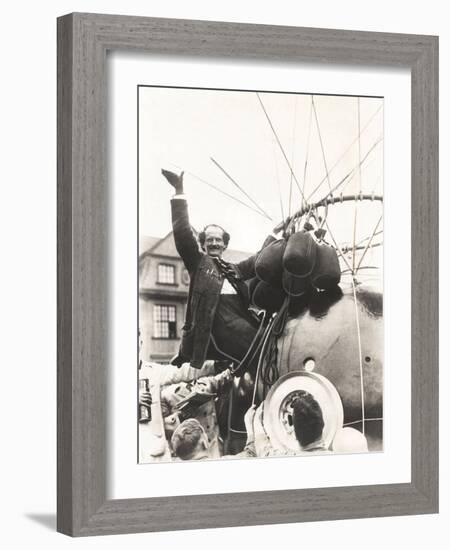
[(175, 181)]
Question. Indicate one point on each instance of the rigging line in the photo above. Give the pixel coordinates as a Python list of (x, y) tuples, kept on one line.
[(365, 420), (278, 181), (359, 142), (326, 201), (279, 144), (321, 144), (216, 347), (343, 183), (368, 244), (261, 358), (346, 249), (367, 238), (240, 188), (329, 184), (337, 246), (221, 191), (359, 184), (346, 151), (361, 373), (229, 414), (353, 170), (307, 145), (353, 174), (294, 132), (345, 271), (326, 168)]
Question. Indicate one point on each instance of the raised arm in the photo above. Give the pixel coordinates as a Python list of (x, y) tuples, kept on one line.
[(174, 375), (185, 240)]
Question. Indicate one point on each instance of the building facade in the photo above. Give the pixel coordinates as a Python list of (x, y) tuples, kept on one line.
[(163, 292)]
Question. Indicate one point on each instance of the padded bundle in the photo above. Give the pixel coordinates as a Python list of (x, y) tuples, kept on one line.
[(327, 271), (299, 257), (265, 289), (298, 263), (268, 297), (292, 267), (269, 264)]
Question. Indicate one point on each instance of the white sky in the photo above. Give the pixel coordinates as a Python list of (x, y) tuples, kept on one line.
[(182, 128)]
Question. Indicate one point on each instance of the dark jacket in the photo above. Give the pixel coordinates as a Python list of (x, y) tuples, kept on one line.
[(204, 289)]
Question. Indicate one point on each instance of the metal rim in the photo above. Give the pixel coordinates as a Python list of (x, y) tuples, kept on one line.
[(278, 407)]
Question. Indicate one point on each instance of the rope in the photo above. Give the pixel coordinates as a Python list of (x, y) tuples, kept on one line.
[(294, 133), (240, 188), (281, 317), (234, 372), (307, 144), (346, 150), (345, 250), (237, 431), (337, 246), (229, 413), (220, 190), (368, 244), (279, 144), (270, 373), (344, 271), (348, 178), (241, 362), (359, 421), (359, 187), (361, 373), (213, 340), (278, 182), (368, 238), (261, 357), (321, 144), (255, 339)]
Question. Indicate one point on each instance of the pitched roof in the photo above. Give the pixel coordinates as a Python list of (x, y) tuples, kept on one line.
[(146, 243)]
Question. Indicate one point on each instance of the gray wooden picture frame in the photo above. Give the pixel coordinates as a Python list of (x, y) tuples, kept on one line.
[(83, 203)]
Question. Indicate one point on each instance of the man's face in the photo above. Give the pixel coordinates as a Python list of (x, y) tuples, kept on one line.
[(214, 244)]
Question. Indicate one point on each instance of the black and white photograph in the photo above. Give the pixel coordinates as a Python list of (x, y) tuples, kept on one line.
[(260, 228), (224, 228)]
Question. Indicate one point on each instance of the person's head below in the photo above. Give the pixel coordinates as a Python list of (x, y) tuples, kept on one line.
[(214, 240), (189, 441), (307, 419)]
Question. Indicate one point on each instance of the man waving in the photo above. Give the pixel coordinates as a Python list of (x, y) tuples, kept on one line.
[(218, 324)]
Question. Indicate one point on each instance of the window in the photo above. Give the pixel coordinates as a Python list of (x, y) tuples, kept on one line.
[(166, 274), (165, 322)]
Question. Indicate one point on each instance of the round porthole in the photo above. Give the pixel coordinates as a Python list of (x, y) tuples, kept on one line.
[(309, 364)]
